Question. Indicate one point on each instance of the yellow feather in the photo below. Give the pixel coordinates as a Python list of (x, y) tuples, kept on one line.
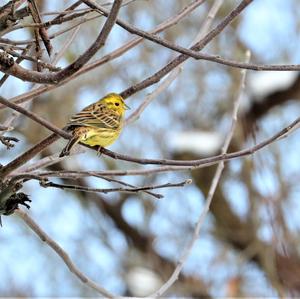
[(98, 124)]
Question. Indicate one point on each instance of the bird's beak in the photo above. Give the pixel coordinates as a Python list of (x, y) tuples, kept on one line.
[(126, 107)]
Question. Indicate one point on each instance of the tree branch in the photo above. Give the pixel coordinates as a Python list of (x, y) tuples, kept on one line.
[(181, 58), (187, 250), (62, 254), (110, 190), (54, 78), (189, 164), (193, 53), (110, 56)]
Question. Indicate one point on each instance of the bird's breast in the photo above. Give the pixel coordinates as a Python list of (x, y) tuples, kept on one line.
[(102, 137)]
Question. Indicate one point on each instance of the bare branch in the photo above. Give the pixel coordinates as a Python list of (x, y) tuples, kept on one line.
[(34, 117), (176, 71), (189, 164), (78, 173), (193, 164), (53, 78), (62, 254), (22, 159), (67, 44), (5, 128), (114, 54), (119, 190), (149, 98), (110, 179), (41, 30), (30, 58), (194, 53), (8, 13), (47, 78), (181, 58), (44, 182), (211, 192)]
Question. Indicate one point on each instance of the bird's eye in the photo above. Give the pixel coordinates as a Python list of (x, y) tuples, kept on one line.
[(117, 104)]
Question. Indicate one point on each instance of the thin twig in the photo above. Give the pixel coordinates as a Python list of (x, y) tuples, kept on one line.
[(18, 60), (78, 173), (34, 117), (60, 15), (149, 98), (155, 78), (189, 164), (5, 128), (176, 71), (18, 43), (172, 162), (110, 179), (31, 76), (166, 24), (75, 13), (30, 58), (119, 190), (66, 12), (42, 163), (29, 154), (187, 251), (55, 60), (194, 53), (66, 45), (44, 182), (113, 55), (53, 78), (56, 21), (62, 254)]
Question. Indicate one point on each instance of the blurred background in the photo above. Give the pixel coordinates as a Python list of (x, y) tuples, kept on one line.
[(130, 244)]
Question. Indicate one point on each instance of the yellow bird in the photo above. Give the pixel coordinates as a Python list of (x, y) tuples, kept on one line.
[(97, 124)]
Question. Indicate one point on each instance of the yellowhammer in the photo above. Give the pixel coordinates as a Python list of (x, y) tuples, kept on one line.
[(97, 124)]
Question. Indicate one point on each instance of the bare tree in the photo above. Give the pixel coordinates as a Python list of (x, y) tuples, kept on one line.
[(146, 213)]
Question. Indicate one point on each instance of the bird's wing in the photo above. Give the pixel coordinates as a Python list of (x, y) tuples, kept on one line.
[(96, 115)]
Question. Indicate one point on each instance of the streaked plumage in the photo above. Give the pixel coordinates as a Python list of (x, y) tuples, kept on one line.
[(97, 124)]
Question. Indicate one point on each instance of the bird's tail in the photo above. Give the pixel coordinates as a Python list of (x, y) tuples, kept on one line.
[(70, 144)]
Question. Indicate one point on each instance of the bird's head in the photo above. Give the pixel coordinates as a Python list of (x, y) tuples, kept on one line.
[(115, 102)]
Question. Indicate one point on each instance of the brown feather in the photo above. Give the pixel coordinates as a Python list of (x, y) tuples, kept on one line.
[(96, 115)]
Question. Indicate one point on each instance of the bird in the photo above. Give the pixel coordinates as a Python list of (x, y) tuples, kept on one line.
[(97, 124)]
